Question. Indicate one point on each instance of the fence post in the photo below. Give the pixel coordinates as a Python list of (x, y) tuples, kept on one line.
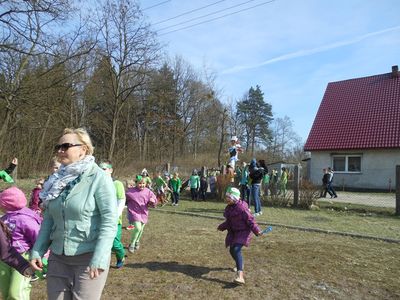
[(397, 190), (296, 186), (167, 167)]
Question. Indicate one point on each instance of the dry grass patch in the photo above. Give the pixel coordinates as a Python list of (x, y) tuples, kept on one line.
[(183, 257)]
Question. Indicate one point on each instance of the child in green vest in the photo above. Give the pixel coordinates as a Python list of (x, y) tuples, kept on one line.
[(117, 247)]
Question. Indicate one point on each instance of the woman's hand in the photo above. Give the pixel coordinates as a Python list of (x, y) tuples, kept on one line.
[(95, 272), (36, 264)]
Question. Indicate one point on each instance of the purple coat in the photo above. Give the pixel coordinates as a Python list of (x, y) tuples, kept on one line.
[(10, 256), (24, 225), (240, 223), (137, 202)]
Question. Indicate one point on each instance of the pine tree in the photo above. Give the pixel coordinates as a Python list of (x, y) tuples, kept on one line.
[(256, 115)]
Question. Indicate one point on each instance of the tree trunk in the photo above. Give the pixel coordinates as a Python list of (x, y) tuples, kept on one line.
[(221, 141), (253, 141), (4, 128), (113, 130), (126, 133), (173, 146), (41, 144)]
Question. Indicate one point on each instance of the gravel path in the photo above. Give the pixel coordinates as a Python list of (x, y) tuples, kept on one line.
[(372, 199)]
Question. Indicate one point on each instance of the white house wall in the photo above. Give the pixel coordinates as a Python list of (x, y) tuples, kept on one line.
[(378, 169)]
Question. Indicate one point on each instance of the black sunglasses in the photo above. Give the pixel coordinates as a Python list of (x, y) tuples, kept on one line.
[(64, 147)]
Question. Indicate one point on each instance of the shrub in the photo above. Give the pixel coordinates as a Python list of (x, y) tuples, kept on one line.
[(308, 194), (279, 200)]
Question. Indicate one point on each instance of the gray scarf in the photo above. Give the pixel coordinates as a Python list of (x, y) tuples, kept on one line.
[(56, 183)]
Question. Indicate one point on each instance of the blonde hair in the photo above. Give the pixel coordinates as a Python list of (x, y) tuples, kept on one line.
[(83, 137)]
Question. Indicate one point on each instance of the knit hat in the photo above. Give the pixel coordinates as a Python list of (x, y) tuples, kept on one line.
[(12, 199), (233, 194)]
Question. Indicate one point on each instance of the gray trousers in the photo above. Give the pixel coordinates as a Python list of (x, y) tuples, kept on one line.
[(68, 278)]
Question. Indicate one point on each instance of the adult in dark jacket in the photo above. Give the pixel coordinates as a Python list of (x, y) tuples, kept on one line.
[(325, 181), (330, 188), (203, 187), (256, 174)]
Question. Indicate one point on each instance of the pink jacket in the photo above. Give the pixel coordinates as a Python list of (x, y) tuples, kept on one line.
[(138, 201), (24, 225), (240, 223)]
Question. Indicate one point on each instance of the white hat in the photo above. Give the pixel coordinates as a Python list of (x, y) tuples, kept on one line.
[(233, 194), (234, 138)]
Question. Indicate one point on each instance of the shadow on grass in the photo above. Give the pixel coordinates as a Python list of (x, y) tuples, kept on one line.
[(193, 271)]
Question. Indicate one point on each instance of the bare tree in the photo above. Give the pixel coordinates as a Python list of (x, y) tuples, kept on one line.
[(224, 117), (284, 139), (131, 47), (23, 26)]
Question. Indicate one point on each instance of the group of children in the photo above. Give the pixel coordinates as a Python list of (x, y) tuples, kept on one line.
[(198, 186), (19, 226), (239, 222), (165, 188), (271, 183)]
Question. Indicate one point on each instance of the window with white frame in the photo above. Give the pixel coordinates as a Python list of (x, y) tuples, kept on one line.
[(350, 163)]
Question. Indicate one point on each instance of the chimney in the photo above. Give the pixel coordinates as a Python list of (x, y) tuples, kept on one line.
[(395, 71)]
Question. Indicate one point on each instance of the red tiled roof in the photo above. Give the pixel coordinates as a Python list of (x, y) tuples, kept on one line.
[(360, 113)]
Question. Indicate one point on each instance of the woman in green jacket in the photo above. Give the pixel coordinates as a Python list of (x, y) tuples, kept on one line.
[(80, 222)]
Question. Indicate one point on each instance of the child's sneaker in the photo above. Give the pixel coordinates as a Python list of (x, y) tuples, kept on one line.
[(120, 263), (239, 278), (137, 246), (131, 248), (34, 277), (130, 227)]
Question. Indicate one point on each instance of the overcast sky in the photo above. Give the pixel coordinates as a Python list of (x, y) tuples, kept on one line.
[(291, 48)]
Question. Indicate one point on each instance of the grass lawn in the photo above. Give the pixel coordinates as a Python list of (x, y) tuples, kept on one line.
[(333, 219), (183, 257)]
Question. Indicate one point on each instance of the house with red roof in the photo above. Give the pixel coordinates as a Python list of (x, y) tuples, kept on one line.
[(357, 132)]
